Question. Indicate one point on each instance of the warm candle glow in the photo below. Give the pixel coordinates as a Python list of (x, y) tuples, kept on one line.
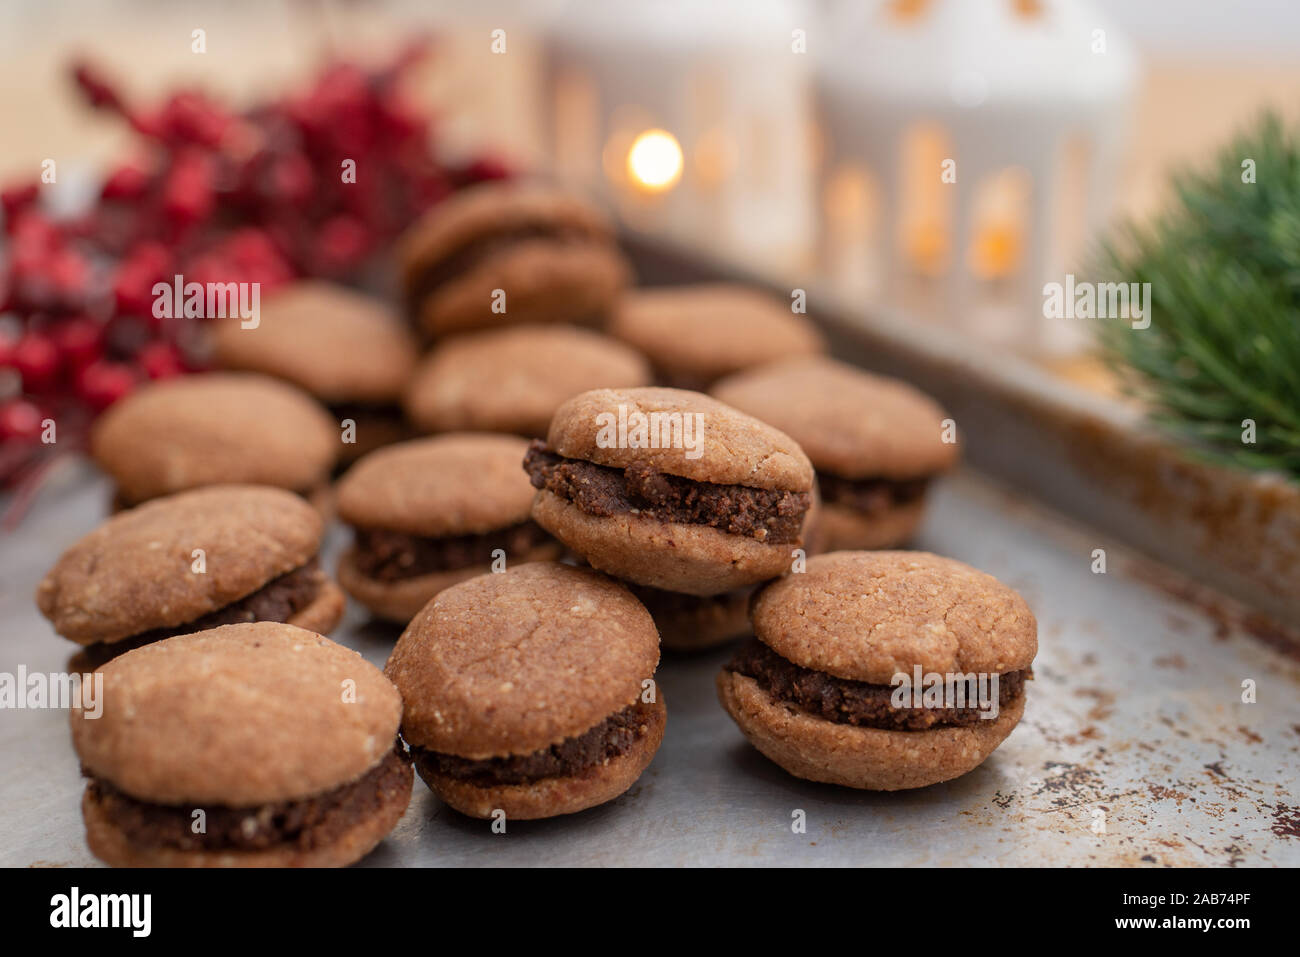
[(654, 162)]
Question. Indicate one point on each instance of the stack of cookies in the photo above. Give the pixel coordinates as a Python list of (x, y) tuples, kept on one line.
[(572, 475)]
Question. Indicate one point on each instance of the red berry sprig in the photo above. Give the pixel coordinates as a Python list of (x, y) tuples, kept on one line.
[(313, 183)]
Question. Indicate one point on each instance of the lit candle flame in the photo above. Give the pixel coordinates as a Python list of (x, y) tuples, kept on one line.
[(654, 161)]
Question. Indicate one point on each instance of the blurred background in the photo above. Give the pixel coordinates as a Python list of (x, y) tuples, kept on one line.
[(943, 157)]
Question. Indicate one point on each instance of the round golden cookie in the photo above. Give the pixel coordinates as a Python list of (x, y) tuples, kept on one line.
[(550, 253), (724, 447), (450, 485), (456, 484), (513, 379), (696, 334), (866, 616), (215, 428), (507, 665), (849, 422), (238, 716), (337, 344), (136, 572)]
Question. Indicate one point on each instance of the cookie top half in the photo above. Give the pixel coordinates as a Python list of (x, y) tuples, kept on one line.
[(513, 379), (456, 484), (701, 332), (512, 663), (698, 438), (237, 716), (217, 427), (337, 344), (849, 422), (137, 571), (867, 616)]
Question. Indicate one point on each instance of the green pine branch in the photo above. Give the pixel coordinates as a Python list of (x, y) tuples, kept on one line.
[(1224, 267)]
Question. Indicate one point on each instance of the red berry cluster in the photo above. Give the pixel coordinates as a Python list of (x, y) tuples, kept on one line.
[(314, 183)]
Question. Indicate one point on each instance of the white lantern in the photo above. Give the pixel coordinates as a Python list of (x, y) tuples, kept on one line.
[(689, 118), (989, 134)]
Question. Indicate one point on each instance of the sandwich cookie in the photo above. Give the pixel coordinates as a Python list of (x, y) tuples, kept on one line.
[(829, 691), (694, 335), (510, 253), (212, 429), (513, 379), (530, 692), (877, 444), (256, 745), (190, 562), (671, 489), (349, 351), (429, 513)]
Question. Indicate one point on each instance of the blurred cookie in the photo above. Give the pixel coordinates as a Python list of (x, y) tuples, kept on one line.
[(671, 489), (348, 350), (513, 379), (211, 429), (696, 334), (190, 562), (256, 745), (819, 692), (530, 692), (876, 443), (549, 254), (691, 623), (429, 513)]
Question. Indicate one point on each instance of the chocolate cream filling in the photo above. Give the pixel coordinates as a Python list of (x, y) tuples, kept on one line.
[(572, 756), (303, 825), (857, 702), (773, 516), (474, 253), (278, 600), (871, 496), (393, 556)]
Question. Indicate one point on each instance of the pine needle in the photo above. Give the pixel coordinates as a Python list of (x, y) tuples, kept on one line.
[(1223, 345)]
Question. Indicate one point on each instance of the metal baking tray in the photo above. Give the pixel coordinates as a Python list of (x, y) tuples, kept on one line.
[(1136, 747)]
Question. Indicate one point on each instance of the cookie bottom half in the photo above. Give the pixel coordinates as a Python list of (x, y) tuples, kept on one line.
[(305, 597), (860, 757), (331, 830), (842, 528), (691, 559), (692, 623), (552, 796), (399, 600)]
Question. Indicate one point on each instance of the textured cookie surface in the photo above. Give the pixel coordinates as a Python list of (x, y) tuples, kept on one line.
[(733, 448), (512, 663), (446, 485), (702, 332), (239, 715), (219, 427), (866, 616), (513, 379), (849, 422), (136, 572), (339, 345)]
